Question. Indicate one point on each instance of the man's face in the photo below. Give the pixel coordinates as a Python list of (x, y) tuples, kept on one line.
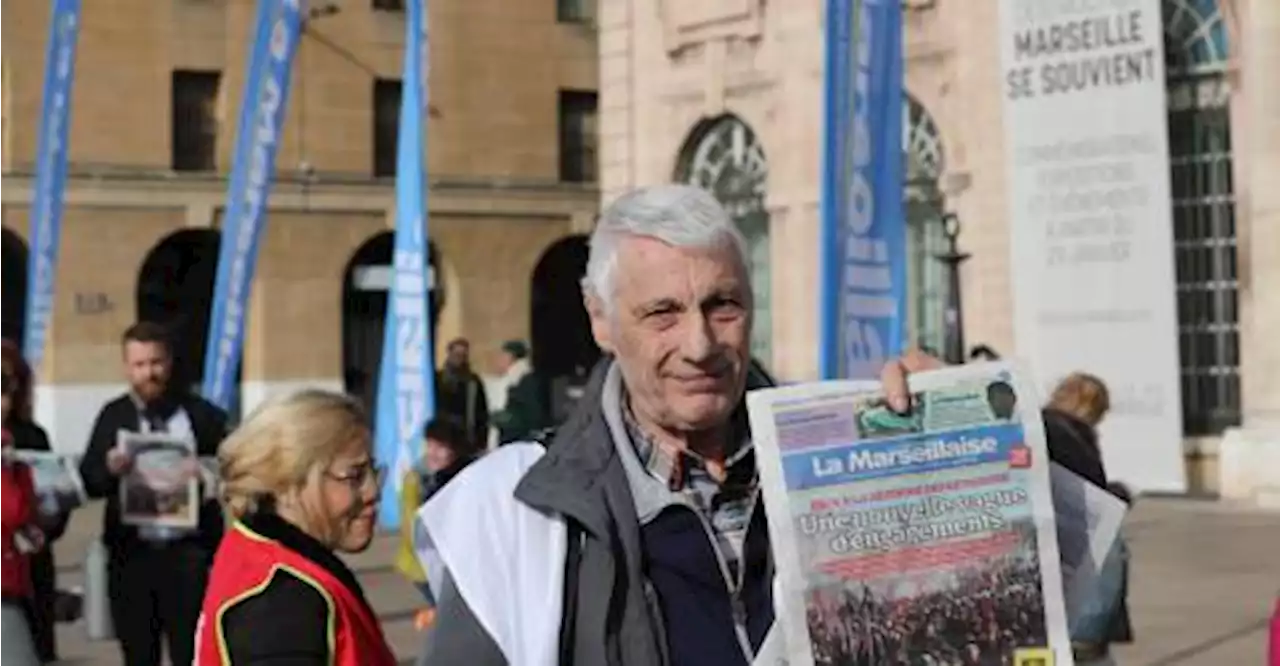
[(147, 365), (458, 356), (505, 360), (1003, 401), (680, 329)]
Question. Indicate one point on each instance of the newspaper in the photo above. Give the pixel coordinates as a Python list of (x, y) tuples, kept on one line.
[(210, 477), (56, 478), (919, 539), (1088, 521), (162, 486)]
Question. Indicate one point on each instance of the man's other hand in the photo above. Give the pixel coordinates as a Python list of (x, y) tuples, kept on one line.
[(893, 377), (118, 461)]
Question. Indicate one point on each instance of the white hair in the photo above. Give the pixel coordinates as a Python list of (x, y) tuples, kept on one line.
[(683, 216)]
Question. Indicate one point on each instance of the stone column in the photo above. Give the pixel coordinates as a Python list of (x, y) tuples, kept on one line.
[(1250, 456), (616, 103)]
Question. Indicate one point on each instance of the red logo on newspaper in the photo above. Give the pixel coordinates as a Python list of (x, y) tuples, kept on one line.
[(1020, 457)]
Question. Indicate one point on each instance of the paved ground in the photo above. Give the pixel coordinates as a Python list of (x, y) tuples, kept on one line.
[(1205, 578)]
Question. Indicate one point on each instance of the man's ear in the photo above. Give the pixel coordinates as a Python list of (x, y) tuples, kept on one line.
[(600, 325)]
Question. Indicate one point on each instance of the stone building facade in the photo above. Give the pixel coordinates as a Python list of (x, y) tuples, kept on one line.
[(139, 234), (728, 94)]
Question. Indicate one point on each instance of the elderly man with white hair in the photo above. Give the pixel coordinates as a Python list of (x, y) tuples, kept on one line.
[(637, 536)]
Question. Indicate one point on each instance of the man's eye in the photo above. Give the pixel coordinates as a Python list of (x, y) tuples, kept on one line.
[(726, 308), (664, 318)]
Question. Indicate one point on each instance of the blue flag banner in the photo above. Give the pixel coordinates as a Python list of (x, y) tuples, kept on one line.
[(262, 114), (406, 394), (51, 175), (864, 274)]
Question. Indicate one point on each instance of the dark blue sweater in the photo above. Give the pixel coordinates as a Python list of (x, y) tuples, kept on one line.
[(696, 606)]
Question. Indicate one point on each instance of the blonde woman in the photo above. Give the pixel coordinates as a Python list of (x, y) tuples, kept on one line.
[(1077, 406), (1083, 396), (300, 484)]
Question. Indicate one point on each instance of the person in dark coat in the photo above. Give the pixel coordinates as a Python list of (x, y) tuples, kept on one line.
[(28, 436), (1073, 443), (460, 393), (156, 574), (525, 411), (1076, 408)]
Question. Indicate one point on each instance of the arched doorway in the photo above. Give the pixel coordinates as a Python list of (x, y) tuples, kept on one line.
[(1204, 219), (175, 288), (924, 205), (365, 285), (15, 287), (560, 332), (724, 156)]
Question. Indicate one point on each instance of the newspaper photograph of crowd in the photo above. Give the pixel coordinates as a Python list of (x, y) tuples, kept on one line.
[(976, 616)]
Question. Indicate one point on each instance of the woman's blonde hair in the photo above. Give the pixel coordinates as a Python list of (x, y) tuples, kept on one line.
[(283, 444), (1083, 396)]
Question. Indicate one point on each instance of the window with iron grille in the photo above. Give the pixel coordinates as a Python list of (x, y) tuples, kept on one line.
[(924, 207), (577, 136), (194, 105), (386, 126), (725, 157), (389, 5), (1204, 215), (576, 11)]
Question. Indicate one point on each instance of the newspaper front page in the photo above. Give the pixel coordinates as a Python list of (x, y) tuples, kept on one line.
[(925, 539)]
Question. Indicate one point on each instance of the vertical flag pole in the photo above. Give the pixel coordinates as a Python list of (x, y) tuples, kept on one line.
[(51, 176), (863, 231), (406, 394), (262, 115)]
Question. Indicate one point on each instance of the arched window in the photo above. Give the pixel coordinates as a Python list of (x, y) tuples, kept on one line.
[(175, 288), (559, 328), (923, 206), (15, 287), (724, 157), (1204, 220), (365, 286), (1195, 37)]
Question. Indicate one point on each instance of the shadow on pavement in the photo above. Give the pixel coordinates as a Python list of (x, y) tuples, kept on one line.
[(1202, 647)]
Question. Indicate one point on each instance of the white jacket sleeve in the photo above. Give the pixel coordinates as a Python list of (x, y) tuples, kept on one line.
[(504, 558)]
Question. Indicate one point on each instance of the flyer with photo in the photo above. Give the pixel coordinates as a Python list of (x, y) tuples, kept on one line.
[(919, 539), (1088, 520), (162, 486), (56, 477)]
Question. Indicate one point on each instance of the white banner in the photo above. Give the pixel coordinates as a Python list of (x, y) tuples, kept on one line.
[(1090, 217)]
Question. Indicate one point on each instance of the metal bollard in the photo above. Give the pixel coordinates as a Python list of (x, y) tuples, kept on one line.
[(97, 605)]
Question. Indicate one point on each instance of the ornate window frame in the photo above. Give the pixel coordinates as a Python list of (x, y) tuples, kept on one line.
[(689, 22)]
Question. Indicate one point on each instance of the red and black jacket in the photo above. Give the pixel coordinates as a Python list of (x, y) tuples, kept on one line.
[(277, 597), (17, 499)]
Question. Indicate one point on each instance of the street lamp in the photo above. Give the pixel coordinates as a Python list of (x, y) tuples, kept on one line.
[(953, 316)]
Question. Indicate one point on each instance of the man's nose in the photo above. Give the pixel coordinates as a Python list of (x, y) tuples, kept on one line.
[(699, 340)]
